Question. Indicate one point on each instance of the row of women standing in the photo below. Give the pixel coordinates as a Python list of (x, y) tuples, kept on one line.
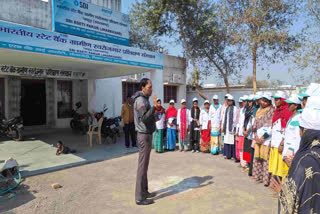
[(191, 126), (270, 146)]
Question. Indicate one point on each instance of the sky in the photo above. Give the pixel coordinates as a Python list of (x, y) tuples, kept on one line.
[(277, 71)]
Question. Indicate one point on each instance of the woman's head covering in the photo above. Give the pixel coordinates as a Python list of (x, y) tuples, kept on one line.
[(280, 94), (267, 95), (258, 95), (230, 97), (310, 117), (282, 112), (312, 90), (293, 99)]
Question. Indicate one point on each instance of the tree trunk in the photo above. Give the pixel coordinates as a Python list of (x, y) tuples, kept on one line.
[(195, 70), (254, 64), (201, 94), (226, 82)]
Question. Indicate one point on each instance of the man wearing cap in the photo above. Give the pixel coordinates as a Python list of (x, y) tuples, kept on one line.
[(205, 127), (183, 122), (171, 118), (300, 190), (195, 127), (215, 117)]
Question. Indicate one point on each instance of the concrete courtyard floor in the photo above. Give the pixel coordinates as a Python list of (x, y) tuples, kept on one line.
[(36, 154), (185, 183)]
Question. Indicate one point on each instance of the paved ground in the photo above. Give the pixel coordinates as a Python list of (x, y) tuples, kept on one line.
[(36, 154), (185, 182)]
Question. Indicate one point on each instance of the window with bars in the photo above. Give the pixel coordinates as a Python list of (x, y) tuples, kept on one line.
[(170, 93), (2, 100), (64, 90), (128, 88)]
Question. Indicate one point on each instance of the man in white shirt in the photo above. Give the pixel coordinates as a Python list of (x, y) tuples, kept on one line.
[(215, 117)]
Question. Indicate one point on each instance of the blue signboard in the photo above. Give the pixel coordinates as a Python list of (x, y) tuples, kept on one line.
[(31, 39), (80, 18)]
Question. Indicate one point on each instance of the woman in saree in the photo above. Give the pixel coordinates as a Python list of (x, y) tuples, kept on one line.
[(279, 123), (262, 133), (171, 118), (159, 115)]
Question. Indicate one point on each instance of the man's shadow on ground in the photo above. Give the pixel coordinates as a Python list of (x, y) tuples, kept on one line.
[(194, 182)]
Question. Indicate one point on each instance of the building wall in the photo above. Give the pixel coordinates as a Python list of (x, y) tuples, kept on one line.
[(109, 93), (175, 66), (171, 66), (37, 13)]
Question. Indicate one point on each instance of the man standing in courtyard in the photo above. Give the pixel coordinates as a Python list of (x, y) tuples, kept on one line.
[(145, 125), (128, 121)]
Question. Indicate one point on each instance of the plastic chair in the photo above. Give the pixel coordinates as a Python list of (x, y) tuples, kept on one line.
[(95, 130)]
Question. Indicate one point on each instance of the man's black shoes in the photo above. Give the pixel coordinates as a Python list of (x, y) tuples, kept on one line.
[(151, 195), (145, 202)]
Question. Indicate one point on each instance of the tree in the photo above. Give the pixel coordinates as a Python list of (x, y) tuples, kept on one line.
[(210, 42), (165, 17), (263, 26), (314, 7), (141, 37), (306, 60)]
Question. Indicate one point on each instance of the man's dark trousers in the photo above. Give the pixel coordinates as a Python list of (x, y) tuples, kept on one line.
[(129, 131), (145, 144)]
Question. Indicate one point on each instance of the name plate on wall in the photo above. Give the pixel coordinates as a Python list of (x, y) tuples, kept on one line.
[(41, 73), (84, 19)]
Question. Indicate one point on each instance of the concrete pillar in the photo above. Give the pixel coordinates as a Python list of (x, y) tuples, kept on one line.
[(91, 95), (156, 77)]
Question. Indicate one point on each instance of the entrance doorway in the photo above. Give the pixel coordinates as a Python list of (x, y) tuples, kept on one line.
[(33, 102)]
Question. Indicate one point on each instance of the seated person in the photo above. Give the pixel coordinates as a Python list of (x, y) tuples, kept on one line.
[(63, 149)]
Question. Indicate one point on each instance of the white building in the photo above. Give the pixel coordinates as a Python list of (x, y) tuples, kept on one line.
[(44, 72)]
